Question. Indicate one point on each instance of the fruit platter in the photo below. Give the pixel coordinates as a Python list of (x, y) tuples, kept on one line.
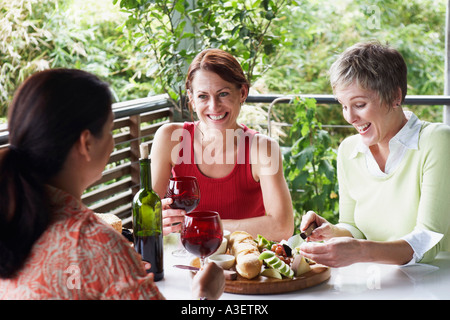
[(268, 267)]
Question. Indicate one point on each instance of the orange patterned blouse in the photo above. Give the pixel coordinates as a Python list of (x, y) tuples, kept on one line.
[(80, 257)]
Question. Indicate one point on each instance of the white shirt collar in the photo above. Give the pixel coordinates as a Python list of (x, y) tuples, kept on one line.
[(408, 136)]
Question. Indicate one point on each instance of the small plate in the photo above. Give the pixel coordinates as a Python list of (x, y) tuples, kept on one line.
[(226, 261)]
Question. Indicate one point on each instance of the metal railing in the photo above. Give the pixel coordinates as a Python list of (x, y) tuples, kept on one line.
[(273, 99), (329, 99)]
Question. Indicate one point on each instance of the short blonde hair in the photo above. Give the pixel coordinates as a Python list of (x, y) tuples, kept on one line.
[(372, 66)]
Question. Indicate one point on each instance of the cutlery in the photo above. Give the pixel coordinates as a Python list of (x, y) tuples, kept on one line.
[(308, 231)]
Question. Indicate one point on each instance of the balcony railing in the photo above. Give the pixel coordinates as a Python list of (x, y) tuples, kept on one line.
[(136, 121)]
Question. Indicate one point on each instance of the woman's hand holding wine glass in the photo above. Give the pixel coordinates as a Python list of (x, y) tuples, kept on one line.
[(172, 218), (184, 195), (184, 192)]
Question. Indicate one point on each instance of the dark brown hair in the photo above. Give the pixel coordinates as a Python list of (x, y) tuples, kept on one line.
[(47, 115), (372, 66)]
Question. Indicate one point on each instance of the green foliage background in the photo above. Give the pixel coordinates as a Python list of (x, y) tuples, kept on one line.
[(319, 30), (94, 35)]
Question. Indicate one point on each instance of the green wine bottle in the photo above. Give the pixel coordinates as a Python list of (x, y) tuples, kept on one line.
[(147, 220)]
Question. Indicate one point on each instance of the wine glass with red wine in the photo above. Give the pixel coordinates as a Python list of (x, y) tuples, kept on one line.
[(202, 233), (185, 193)]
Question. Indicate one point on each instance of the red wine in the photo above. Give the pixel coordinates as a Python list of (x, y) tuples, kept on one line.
[(184, 191), (202, 245), (186, 203), (151, 250)]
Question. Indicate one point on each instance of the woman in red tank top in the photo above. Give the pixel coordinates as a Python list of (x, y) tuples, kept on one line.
[(239, 171)]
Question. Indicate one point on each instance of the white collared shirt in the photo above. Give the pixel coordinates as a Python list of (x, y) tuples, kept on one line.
[(407, 138)]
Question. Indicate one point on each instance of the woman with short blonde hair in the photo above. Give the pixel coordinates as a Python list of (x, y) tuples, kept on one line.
[(394, 175)]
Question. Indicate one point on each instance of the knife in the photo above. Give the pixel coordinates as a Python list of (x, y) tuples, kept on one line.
[(229, 274), (305, 234)]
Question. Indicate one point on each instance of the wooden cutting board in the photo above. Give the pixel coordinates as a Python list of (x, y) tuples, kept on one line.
[(266, 285)]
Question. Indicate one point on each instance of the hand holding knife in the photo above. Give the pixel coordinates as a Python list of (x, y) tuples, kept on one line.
[(308, 231)]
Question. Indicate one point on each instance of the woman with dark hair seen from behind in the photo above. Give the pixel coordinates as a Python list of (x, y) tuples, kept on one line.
[(51, 246)]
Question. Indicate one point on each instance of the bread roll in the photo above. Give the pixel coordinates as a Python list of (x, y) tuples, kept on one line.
[(112, 220), (239, 236), (246, 253)]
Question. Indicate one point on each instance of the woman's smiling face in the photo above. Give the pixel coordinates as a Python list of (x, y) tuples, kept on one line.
[(362, 109), (217, 102)]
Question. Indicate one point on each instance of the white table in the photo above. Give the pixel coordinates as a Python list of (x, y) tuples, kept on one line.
[(359, 281)]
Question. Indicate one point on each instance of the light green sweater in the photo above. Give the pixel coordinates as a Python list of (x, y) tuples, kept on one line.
[(416, 193)]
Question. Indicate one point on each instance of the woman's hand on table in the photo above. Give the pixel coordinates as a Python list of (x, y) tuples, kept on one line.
[(172, 218), (209, 282)]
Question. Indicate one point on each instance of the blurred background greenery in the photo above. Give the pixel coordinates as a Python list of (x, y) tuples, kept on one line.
[(92, 35)]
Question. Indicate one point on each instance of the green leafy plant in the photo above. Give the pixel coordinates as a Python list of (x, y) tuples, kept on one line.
[(23, 43), (319, 30), (310, 164), (246, 29), (169, 34), (156, 30), (41, 34)]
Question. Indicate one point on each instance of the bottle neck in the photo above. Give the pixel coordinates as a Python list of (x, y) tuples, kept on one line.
[(145, 174)]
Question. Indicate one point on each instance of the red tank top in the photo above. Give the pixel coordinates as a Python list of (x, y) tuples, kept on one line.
[(235, 196)]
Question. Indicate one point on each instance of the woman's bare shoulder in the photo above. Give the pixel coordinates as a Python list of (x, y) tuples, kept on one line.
[(168, 129)]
